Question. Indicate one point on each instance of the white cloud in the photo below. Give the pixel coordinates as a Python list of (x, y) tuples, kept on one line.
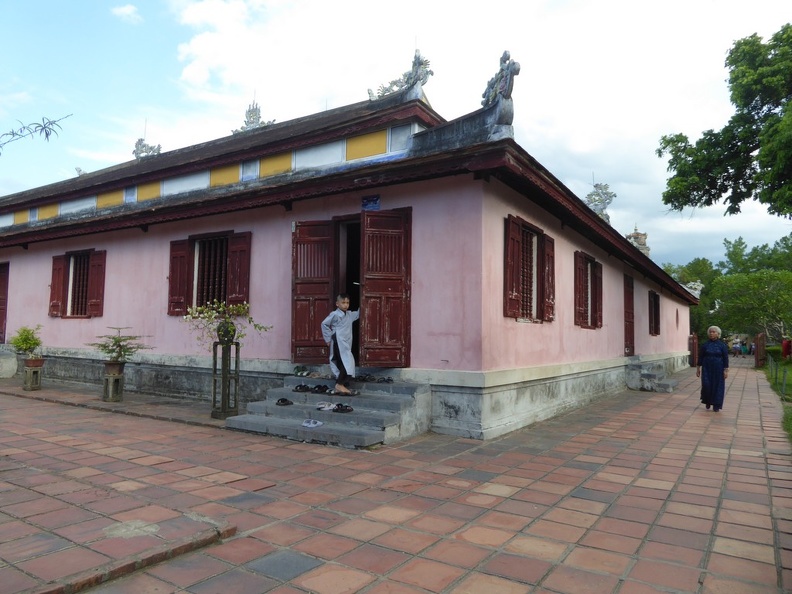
[(128, 13)]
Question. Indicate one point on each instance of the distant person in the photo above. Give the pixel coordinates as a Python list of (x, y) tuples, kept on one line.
[(713, 369), (736, 347), (786, 348), (337, 334)]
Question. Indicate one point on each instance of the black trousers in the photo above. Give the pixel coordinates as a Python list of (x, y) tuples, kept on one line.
[(343, 375)]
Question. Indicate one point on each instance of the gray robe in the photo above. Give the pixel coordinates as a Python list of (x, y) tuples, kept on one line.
[(340, 324)]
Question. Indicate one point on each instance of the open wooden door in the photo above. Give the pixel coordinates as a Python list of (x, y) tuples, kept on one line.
[(312, 290), (385, 290)]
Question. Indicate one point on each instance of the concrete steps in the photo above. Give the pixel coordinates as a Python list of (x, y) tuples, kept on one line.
[(383, 413)]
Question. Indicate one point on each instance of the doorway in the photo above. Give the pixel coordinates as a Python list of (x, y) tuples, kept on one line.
[(349, 272), (367, 256)]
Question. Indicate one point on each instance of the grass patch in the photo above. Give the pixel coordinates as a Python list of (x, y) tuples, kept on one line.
[(783, 388), (787, 421)]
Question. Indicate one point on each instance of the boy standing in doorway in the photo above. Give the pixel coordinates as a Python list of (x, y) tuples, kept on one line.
[(337, 334)]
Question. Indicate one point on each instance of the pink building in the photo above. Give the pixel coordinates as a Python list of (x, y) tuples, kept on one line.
[(479, 275)]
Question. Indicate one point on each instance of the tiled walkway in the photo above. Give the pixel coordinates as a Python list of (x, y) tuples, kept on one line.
[(636, 493)]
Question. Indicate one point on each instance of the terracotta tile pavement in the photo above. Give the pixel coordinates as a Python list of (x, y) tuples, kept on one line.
[(637, 493)]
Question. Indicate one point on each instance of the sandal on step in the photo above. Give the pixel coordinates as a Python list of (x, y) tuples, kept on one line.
[(342, 408), (283, 402), (312, 423)]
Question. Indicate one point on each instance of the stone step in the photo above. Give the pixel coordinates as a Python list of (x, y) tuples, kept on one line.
[(384, 412), (395, 402), (364, 417), (330, 433)]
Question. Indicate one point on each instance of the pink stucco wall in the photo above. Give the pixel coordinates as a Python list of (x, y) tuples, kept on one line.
[(456, 294)]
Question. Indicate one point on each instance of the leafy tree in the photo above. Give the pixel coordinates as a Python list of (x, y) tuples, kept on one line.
[(46, 128), (739, 259), (750, 158), (754, 302)]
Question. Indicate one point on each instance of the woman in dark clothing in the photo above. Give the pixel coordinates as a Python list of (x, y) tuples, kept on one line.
[(714, 359)]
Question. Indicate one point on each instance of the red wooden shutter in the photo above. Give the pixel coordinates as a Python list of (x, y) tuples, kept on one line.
[(512, 265), (96, 282), (597, 294), (385, 303), (629, 316), (57, 286), (178, 278), (238, 288), (548, 310), (580, 293), (312, 291), (3, 299)]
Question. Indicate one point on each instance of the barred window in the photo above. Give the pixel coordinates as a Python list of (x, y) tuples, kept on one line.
[(77, 287), (529, 272), (588, 291), (204, 269)]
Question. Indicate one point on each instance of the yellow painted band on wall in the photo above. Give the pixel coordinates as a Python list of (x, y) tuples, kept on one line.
[(148, 191), (223, 176), (21, 216), (366, 145), (50, 211), (275, 164), (110, 199)]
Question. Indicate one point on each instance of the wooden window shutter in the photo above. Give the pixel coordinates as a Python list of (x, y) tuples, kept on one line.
[(548, 308), (57, 287), (96, 282), (178, 278), (580, 292), (238, 288), (512, 266), (657, 314), (597, 294)]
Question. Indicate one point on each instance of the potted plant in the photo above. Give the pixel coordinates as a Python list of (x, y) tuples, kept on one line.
[(118, 348), (27, 342), (216, 321)]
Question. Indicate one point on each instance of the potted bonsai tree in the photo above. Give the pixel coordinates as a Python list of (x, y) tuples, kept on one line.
[(217, 321), (118, 348), (27, 342)]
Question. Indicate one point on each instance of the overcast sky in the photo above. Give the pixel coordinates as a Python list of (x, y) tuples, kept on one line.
[(600, 82)]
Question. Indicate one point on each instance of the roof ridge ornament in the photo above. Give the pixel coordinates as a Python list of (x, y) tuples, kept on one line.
[(145, 150), (502, 83), (252, 119), (419, 73)]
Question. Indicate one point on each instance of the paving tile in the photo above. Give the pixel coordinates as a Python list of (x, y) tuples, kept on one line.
[(236, 580), (743, 569), (63, 563), (331, 579), (666, 575), (326, 546), (184, 571), (284, 565), (240, 550), (611, 542), (744, 550), (478, 583), (427, 574), (570, 580), (598, 560)]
